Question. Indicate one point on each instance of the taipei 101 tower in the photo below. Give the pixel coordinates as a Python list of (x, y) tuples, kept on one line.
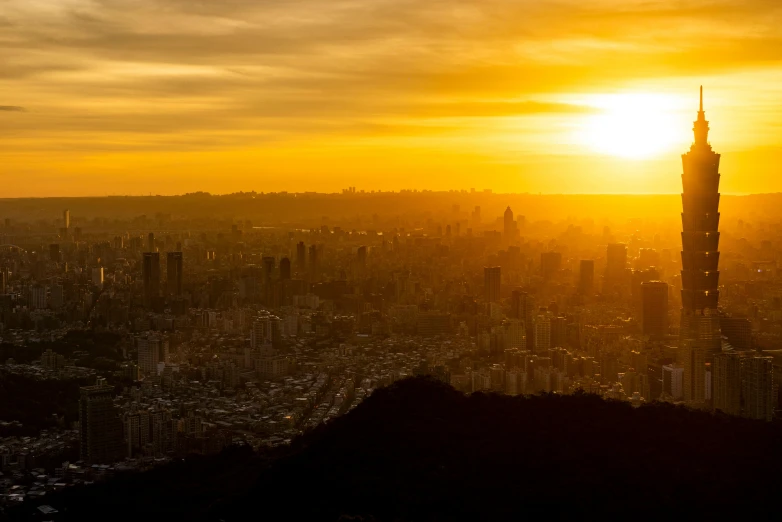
[(699, 334)]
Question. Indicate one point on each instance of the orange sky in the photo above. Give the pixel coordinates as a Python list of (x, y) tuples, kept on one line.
[(170, 96)]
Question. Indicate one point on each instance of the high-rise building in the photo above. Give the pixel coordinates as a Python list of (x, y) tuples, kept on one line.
[(37, 296), (285, 268), (586, 277), (174, 267), (54, 252), (97, 276), (654, 309), (542, 333), (738, 331), (151, 351), (3, 280), (268, 263), (615, 279), (66, 219), (672, 380), (150, 273), (301, 257), (699, 332), (313, 261), (726, 380), (100, 425), (757, 387), (550, 264), (509, 226), (491, 283), (523, 308), (476, 216), (151, 242)]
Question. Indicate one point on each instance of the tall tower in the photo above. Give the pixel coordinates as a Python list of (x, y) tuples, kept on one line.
[(174, 266), (509, 226), (150, 273), (100, 425), (700, 335), (491, 283)]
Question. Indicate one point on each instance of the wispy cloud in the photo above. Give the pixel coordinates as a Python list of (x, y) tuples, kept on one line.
[(205, 75), (12, 108)]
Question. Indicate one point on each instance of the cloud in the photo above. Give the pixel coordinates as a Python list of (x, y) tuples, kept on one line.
[(160, 72), (12, 108)]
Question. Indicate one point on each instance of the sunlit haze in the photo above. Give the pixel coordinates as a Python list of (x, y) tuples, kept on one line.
[(168, 96)]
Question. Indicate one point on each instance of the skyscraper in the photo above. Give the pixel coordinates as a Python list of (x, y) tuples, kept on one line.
[(700, 326), (151, 242), (615, 279), (509, 226), (491, 283), (654, 309), (586, 277), (757, 387), (726, 390), (268, 269), (66, 219), (301, 257), (313, 253), (151, 351), (150, 272), (285, 268), (174, 265), (100, 425)]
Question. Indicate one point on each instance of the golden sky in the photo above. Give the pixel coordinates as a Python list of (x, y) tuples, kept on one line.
[(571, 96)]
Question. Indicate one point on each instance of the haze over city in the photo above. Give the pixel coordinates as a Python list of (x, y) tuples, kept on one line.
[(390, 261)]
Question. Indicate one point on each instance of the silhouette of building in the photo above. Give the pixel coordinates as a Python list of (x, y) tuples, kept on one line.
[(100, 425), (757, 387), (672, 380), (615, 279), (66, 219), (654, 309), (726, 381), (509, 225), (151, 275), (301, 257), (700, 326), (268, 263), (586, 277), (285, 269), (174, 266), (152, 350), (738, 332), (151, 242), (491, 283)]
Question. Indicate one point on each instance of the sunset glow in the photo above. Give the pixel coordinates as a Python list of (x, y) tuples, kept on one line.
[(305, 95)]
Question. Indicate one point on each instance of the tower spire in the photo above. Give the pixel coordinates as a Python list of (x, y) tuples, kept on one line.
[(701, 126)]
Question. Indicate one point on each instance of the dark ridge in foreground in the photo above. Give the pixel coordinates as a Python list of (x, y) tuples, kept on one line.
[(419, 450)]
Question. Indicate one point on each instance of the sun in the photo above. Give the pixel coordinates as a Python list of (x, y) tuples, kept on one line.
[(634, 125)]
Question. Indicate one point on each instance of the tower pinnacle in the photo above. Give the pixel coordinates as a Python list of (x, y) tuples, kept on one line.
[(701, 127)]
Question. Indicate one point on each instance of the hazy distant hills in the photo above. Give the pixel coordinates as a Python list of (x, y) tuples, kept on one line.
[(358, 209), (419, 450)]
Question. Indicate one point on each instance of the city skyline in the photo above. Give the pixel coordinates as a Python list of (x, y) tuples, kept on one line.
[(451, 260)]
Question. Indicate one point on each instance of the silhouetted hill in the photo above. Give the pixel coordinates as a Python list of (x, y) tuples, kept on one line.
[(419, 450)]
